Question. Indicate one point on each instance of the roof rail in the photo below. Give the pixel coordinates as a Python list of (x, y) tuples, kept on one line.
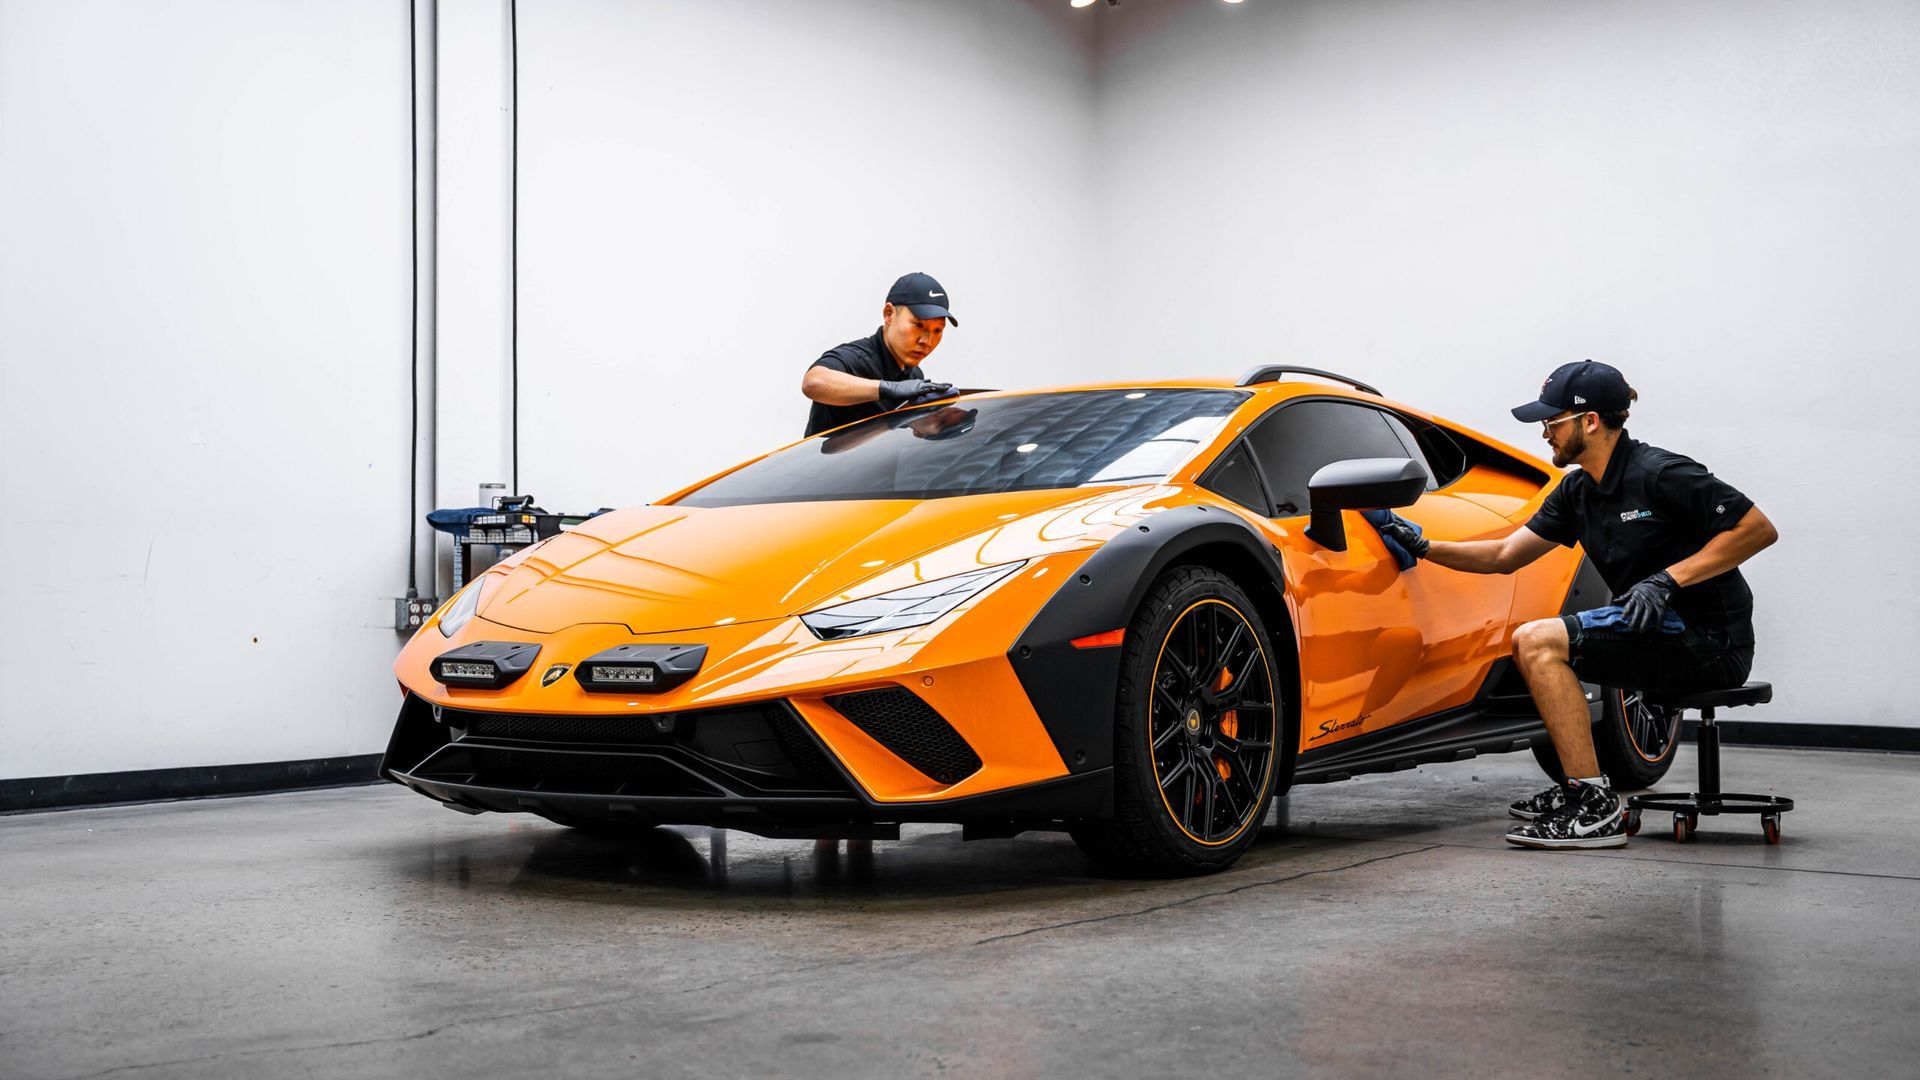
[(1271, 372)]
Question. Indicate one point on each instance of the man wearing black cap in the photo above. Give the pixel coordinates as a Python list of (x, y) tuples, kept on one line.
[(1666, 535), (874, 374)]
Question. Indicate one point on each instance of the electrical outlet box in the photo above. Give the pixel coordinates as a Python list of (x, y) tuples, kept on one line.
[(411, 615)]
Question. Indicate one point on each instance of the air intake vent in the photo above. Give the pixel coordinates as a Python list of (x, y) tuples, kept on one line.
[(761, 747), (898, 720)]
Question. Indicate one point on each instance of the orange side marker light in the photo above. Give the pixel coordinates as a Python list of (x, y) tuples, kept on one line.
[(1100, 641)]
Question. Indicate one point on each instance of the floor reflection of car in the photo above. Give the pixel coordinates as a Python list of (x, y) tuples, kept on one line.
[(1131, 612)]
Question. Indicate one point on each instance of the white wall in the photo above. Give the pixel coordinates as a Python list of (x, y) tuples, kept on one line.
[(203, 346), (206, 304), (712, 194), (1720, 197), (204, 294)]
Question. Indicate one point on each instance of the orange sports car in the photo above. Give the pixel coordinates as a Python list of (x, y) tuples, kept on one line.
[(1132, 612)]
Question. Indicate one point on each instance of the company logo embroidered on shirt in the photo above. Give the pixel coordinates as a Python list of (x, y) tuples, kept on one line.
[(1635, 515)]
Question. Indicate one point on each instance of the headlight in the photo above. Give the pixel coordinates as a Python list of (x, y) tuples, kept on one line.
[(915, 605), (462, 608)]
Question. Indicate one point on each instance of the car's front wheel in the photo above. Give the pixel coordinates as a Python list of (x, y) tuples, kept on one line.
[(1633, 741), (1195, 746)]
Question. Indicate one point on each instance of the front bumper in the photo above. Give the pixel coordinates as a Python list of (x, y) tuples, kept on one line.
[(758, 768)]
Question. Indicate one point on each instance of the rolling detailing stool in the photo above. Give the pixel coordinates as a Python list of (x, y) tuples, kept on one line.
[(1710, 799)]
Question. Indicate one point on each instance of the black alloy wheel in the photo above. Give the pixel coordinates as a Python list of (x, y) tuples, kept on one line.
[(1195, 746), (1633, 741), (1651, 730), (1211, 722)]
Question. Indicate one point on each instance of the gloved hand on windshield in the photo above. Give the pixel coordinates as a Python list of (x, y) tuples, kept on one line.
[(896, 391), (1645, 605)]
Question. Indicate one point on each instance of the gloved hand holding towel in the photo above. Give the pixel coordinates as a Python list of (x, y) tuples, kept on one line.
[(1402, 537)]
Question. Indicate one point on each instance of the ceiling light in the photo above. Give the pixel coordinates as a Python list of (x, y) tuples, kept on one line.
[(1082, 3)]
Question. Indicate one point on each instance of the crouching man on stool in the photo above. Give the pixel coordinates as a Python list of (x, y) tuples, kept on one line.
[(1667, 536)]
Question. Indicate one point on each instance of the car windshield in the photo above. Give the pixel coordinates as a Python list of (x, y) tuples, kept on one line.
[(971, 447)]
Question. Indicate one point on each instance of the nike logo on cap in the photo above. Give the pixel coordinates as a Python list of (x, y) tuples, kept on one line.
[(932, 294)]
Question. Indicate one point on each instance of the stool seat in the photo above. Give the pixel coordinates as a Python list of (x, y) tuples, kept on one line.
[(1754, 693)]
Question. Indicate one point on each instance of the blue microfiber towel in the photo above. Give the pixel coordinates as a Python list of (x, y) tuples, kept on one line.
[(1401, 556), (1612, 617), (457, 519)]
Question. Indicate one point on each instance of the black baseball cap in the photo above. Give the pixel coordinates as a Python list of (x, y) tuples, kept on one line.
[(923, 296), (1584, 386)]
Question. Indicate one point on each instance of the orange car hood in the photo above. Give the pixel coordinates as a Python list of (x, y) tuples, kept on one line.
[(665, 568)]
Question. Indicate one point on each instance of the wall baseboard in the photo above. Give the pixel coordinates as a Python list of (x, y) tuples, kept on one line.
[(1809, 736), (148, 785)]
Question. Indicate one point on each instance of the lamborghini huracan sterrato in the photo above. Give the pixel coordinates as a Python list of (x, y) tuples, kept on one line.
[(1132, 612)]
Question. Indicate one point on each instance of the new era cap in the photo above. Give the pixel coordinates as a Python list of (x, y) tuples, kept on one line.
[(923, 296), (1582, 387)]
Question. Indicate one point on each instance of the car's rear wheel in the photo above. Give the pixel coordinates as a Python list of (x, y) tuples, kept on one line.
[(1633, 741), (1194, 733)]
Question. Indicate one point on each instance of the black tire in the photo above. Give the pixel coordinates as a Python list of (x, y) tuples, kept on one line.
[(1632, 740), (1172, 718)]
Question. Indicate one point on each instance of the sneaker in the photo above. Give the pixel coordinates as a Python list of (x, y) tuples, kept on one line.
[(1550, 801), (1594, 817)]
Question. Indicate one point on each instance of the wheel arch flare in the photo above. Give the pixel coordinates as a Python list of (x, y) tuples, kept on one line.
[(1073, 688)]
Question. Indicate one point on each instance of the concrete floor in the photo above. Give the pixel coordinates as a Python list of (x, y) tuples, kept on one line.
[(1383, 929)]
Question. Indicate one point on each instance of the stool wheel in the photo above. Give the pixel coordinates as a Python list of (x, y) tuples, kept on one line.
[(1683, 826), (1633, 823), (1770, 825)]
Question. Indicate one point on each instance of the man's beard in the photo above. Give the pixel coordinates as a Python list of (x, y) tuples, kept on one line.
[(1568, 454)]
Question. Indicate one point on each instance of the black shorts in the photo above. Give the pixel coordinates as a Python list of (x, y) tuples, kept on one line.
[(1696, 658)]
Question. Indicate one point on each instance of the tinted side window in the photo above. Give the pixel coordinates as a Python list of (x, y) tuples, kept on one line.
[(1446, 458), (1234, 478), (1296, 440), (1416, 449)]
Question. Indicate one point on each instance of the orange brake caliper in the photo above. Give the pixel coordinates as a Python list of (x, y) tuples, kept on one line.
[(1229, 724)]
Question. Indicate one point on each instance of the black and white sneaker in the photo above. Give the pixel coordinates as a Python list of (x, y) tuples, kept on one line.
[(1594, 817), (1550, 801)]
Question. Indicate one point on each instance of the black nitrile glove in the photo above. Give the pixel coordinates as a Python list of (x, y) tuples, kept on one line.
[(1404, 535), (895, 391), (1645, 605)]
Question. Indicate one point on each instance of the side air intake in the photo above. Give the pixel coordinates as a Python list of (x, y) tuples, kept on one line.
[(898, 720)]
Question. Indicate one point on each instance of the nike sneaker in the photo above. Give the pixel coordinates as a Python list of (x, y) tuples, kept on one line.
[(1594, 817), (1547, 802)]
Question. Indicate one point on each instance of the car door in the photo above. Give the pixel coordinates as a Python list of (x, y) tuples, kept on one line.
[(1377, 645)]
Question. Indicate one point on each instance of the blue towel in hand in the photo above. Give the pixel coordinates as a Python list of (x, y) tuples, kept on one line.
[(1612, 617), (1401, 556)]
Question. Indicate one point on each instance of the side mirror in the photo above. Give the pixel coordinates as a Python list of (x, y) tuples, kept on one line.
[(1359, 484)]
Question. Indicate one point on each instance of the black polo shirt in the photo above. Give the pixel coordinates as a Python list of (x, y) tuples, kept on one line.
[(868, 358), (1651, 509)]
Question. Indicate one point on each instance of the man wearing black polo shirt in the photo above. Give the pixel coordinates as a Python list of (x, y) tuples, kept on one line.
[(874, 374), (1667, 536)]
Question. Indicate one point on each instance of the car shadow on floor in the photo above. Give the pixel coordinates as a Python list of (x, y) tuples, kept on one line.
[(670, 867)]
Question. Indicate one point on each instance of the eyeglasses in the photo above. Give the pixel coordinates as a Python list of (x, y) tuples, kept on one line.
[(1548, 425)]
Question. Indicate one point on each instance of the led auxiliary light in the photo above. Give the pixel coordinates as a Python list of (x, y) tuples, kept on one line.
[(485, 665), (648, 669), (625, 674)]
